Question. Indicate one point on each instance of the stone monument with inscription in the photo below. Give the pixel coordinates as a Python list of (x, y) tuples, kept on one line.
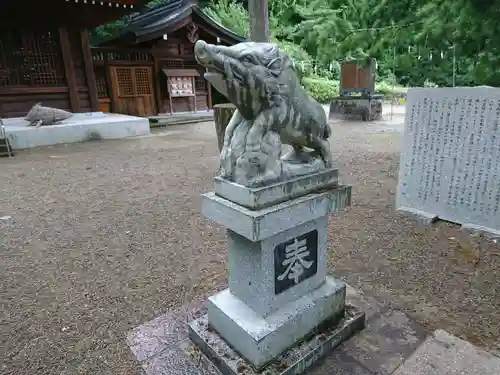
[(281, 311), (450, 159)]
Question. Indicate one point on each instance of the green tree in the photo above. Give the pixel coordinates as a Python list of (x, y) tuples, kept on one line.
[(406, 37)]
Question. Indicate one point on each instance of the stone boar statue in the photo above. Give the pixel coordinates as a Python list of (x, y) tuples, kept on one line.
[(272, 109), (40, 115)]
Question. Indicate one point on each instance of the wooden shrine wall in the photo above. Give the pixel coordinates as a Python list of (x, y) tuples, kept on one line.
[(45, 65), (112, 64), (178, 53), (124, 80)]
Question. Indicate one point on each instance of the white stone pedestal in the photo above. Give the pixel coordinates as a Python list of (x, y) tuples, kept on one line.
[(278, 292), (80, 127)]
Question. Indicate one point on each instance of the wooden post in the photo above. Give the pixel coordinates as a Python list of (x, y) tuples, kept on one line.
[(259, 20), (69, 69), (156, 82), (222, 116), (209, 98), (110, 85), (89, 70)]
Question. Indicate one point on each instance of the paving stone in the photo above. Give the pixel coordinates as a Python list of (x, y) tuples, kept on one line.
[(445, 354), (339, 363), (163, 348), (387, 340), (164, 332), (176, 361)]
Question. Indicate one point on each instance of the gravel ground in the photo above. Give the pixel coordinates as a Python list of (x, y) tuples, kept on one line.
[(105, 236)]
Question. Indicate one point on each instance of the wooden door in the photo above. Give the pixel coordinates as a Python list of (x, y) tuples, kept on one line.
[(133, 90)]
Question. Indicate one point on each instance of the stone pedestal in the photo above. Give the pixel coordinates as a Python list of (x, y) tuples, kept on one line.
[(279, 292)]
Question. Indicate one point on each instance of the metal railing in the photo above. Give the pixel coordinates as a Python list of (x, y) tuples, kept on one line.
[(3, 135)]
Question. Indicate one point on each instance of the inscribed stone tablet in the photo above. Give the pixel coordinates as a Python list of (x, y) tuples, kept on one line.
[(295, 261), (450, 159)]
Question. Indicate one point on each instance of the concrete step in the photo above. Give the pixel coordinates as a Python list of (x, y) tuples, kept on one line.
[(157, 121), (444, 354)]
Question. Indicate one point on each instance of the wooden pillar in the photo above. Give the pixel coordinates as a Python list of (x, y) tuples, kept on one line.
[(89, 70), (209, 98), (69, 69), (222, 116), (109, 81), (156, 82), (259, 20)]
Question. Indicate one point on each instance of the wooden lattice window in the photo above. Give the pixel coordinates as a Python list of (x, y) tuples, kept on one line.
[(132, 81), (101, 82), (191, 64), (31, 58), (102, 89), (200, 84), (142, 81), (125, 82), (173, 64), (129, 56)]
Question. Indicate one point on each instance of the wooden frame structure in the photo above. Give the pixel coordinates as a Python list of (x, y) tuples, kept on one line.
[(357, 97), (160, 43), (357, 77), (45, 52), (181, 83)]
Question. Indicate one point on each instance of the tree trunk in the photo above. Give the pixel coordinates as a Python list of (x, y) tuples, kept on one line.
[(259, 20), (222, 116)]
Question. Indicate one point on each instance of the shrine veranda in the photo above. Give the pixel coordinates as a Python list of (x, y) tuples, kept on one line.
[(450, 157)]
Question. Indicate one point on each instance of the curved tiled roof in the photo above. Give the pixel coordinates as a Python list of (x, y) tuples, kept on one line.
[(164, 18)]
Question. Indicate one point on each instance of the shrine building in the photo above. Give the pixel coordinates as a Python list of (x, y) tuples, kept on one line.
[(45, 52)]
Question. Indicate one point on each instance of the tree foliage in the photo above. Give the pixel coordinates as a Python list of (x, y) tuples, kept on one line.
[(419, 41), (416, 42)]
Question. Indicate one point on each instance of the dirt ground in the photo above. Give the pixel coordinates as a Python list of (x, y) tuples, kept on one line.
[(105, 236)]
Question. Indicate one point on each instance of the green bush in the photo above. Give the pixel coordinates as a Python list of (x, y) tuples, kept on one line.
[(321, 89), (389, 91)]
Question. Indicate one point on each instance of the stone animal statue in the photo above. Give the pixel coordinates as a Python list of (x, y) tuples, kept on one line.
[(272, 109), (40, 115)]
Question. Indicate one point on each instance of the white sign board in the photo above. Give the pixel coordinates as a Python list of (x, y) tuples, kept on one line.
[(450, 157)]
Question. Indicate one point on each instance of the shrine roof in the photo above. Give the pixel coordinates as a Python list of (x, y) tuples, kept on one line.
[(170, 17), (116, 3), (68, 13)]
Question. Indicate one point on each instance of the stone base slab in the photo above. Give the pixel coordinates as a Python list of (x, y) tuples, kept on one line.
[(427, 218), (264, 223), (261, 197), (78, 128), (162, 346), (422, 217), (296, 360), (261, 339)]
